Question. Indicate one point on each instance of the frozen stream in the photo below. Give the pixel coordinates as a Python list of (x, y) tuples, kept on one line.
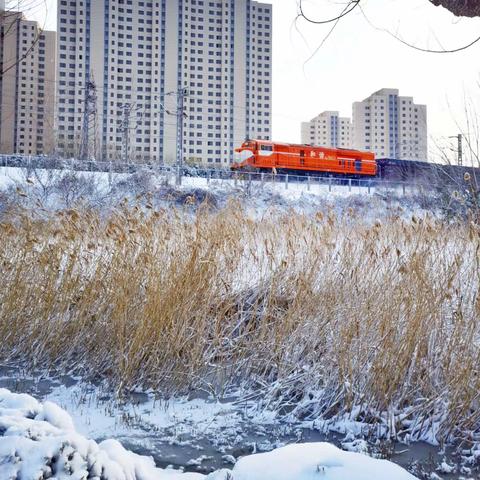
[(201, 435)]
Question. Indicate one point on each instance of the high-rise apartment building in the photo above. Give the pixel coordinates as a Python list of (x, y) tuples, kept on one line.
[(140, 54), (27, 86), (391, 126), (329, 130)]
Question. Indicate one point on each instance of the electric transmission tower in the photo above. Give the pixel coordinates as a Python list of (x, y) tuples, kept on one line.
[(89, 129), (126, 126), (459, 139)]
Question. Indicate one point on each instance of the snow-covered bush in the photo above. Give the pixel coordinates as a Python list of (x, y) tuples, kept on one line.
[(38, 442)]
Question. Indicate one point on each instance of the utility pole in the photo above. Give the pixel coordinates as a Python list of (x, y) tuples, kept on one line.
[(460, 149), (125, 130), (126, 127), (89, 120), (459, 138), (180, 114)]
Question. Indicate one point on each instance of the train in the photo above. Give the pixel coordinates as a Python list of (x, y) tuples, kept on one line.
[(310, 160), (261, 155)]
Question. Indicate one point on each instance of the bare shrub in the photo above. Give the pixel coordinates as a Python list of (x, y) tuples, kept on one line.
[(71, 187), (193, 197), (138, 183), (45, 181)]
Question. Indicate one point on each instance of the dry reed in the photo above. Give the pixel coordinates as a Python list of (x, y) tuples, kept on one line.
[(316, 316)]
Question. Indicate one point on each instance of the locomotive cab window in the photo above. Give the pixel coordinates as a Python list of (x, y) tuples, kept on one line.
[(266, 150)]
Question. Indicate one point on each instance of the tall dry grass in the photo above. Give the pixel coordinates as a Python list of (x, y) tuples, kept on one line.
[(315, 316)]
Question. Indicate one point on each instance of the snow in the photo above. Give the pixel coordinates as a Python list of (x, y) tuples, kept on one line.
[(53, 189), (39, 441), (180, 420), (315, 460), (59, 418), (446, 468)]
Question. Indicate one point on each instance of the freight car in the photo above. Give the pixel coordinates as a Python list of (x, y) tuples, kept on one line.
[(261, 155), (426, 173)]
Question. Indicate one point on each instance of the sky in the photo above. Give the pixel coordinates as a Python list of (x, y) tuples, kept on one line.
[(360, 57)]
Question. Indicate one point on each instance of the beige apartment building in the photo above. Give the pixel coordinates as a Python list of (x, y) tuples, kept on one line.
[(391, 126), (27, 86), (328, 130), (140, 55)]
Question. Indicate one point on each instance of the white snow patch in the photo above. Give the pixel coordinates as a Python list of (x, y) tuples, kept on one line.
[(358, 445), (446, 467), (311, 461)]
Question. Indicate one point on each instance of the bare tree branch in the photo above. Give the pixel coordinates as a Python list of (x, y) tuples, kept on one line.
[(348, 8), (352, 4), (470, 8), (415, 47)]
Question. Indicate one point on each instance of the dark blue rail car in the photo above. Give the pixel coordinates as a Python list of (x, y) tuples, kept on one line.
[(426, 173)]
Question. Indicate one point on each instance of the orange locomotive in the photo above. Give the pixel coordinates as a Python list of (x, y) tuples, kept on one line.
[(304, 159)]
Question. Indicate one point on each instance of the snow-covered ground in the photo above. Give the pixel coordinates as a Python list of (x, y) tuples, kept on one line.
[(292, 189), (39, 441), (57, 189)]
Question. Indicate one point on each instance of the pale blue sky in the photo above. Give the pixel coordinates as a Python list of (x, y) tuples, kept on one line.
[(357, 60)]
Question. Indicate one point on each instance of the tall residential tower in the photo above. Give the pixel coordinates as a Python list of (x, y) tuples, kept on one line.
[(123, 62), (27, 86), (391, 126), (329, 130)]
